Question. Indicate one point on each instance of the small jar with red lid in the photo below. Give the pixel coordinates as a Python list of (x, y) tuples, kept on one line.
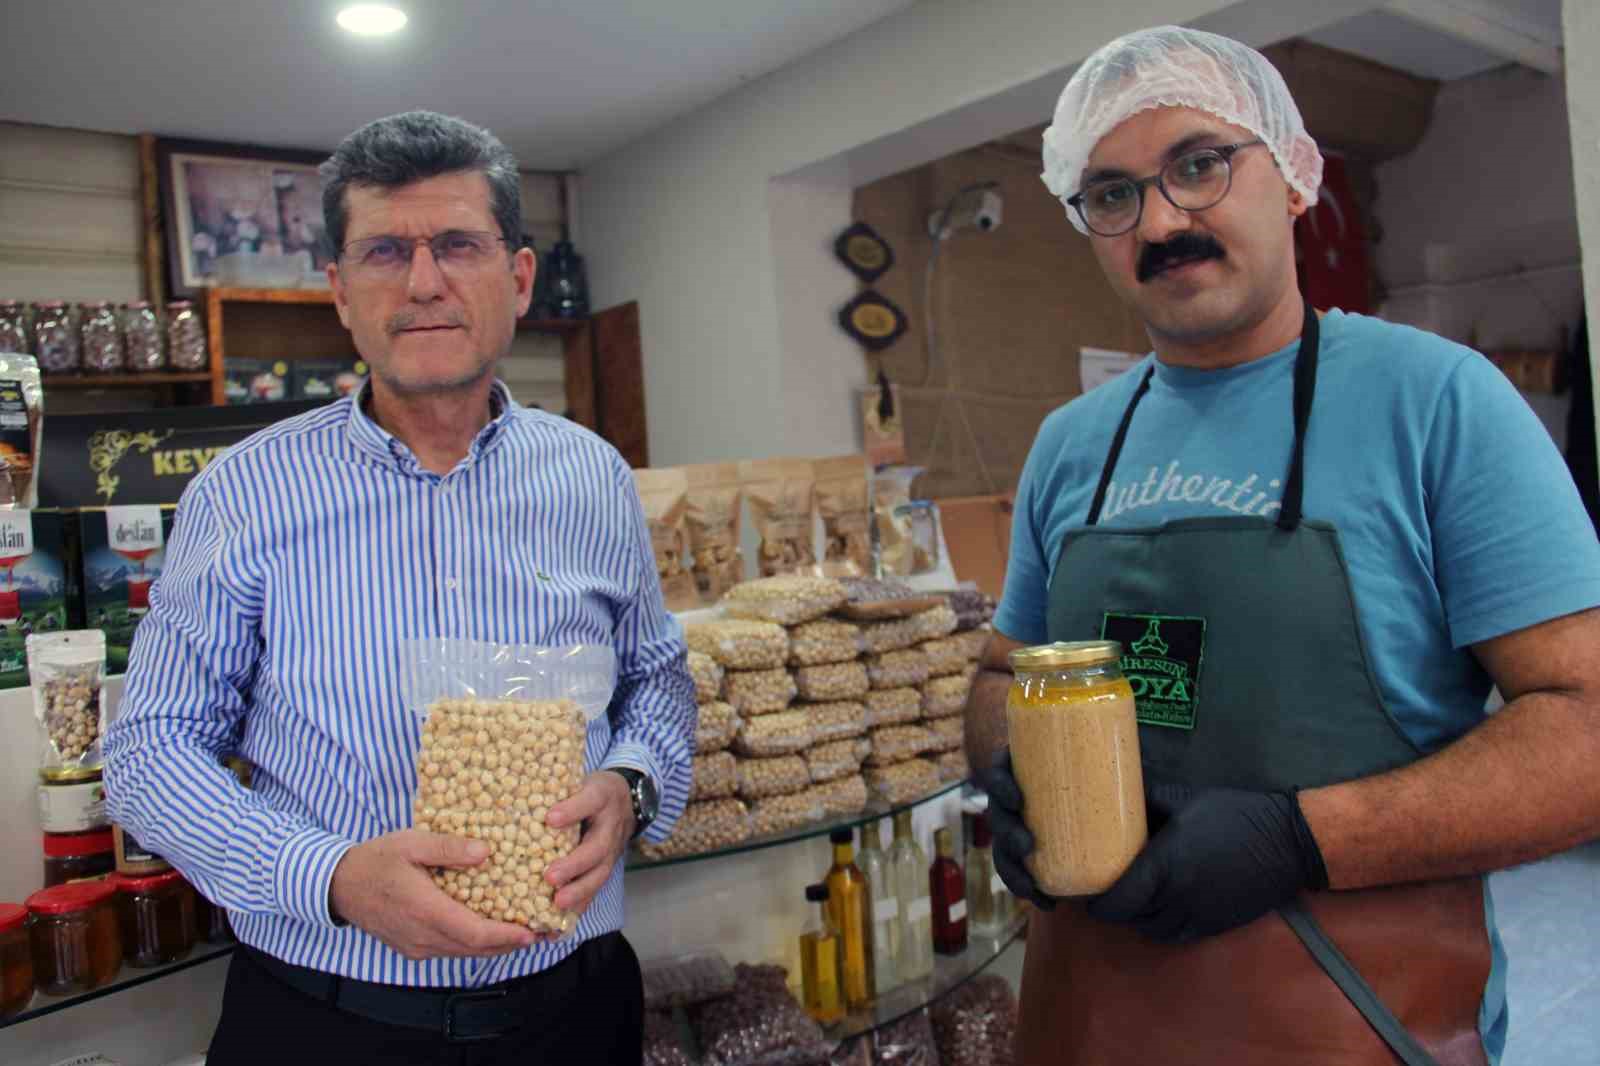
[(156, 914), (16, 961), (78, 856), (76, 940)]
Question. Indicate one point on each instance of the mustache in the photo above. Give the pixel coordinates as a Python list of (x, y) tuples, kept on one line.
[(403, 320), (1185, 247)]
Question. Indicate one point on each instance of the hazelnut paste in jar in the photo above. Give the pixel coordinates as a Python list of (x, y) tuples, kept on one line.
[(1075, 752)]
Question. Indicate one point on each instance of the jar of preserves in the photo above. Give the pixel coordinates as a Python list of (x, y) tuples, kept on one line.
[(76, 941), (1075, 752), (156, 915), (102, 339), (186, 340), (14, 327), (141, 337), (72, 799), (211, 920), (55, 342), (78, 856), (132, 858), (16, 961)]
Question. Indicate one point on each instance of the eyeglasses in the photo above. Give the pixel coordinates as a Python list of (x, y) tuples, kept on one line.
[(457, 251), (1192, 181)]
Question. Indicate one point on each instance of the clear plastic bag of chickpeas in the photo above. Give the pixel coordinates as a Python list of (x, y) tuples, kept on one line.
[(505, 735), (65, 671)]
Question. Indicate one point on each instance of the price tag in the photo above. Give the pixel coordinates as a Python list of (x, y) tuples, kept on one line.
[(886, 910), (958, 910)]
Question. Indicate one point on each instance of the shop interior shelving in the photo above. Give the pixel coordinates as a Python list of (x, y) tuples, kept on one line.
[(948, 971)]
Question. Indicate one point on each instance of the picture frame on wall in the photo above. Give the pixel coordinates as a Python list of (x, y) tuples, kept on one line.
[(240, 215)]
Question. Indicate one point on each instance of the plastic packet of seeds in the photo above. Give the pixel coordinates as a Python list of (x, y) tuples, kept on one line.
[(65, 671), (505, 736)]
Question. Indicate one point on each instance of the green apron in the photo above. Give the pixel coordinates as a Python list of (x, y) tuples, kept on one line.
[(1241, 641)]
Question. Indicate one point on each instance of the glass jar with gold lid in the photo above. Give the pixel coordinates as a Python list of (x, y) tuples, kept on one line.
[(1075, 752), (72, 799)]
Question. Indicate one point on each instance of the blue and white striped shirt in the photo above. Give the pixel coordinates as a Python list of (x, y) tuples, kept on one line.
[(298, 563)]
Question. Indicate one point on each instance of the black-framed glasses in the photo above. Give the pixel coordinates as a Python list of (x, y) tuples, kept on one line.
[(455, 250), (1193, 181)]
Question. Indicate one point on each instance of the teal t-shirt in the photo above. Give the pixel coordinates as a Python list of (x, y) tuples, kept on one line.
[(1457, 516)]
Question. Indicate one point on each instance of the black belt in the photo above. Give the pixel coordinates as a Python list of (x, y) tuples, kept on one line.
[(457, 1014)]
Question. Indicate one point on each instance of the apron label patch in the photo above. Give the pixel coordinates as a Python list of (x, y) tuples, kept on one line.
[(1161, 658)]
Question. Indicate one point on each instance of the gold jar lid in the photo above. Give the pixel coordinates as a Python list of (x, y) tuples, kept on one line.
[(68, 775), (1066, 653)]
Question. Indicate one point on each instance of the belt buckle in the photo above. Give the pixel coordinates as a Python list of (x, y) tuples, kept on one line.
[(458, 998)]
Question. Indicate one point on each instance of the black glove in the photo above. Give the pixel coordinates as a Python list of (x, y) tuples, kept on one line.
[(1012, 841), (1223, 857)]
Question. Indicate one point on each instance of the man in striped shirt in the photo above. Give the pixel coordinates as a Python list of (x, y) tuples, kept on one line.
[(429, 505)]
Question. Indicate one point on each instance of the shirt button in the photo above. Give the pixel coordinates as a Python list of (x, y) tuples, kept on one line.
[(450, 583)]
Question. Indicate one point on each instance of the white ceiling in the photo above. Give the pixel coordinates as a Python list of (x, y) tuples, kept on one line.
[(562, 83), (1396, 41)]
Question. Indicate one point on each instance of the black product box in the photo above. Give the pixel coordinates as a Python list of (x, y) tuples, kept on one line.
[(255, 380), (108, 491), (321, 379), (34, 568)]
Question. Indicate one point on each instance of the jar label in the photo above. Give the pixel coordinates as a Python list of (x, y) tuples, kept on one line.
[(1161, 659), (886, 910), (919, 908), (133, 851), (72, 808), (958, 910)]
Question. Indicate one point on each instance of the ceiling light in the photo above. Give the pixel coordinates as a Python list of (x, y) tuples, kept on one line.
[(372, 20)]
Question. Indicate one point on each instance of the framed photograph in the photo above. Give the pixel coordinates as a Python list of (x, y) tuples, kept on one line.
[(239, 215)]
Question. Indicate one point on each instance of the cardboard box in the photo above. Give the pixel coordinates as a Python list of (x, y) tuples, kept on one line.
[(121, 551), (977, 534), (246, 381), (317, 379)]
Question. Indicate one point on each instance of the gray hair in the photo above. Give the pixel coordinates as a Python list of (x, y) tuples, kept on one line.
[(401, 149)]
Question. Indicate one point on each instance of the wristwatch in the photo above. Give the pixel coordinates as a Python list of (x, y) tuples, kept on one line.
[(646, 800)]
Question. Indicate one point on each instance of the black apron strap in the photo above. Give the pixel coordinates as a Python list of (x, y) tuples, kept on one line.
[(1305, 388), (1116, 448), (1355, 987)]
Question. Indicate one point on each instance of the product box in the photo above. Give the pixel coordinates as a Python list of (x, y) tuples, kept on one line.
[(33, 585), (121, 551), (255, 380), (108, 498), (318, 379)]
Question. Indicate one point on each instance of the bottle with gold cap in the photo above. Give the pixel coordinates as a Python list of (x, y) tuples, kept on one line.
[(1075, 752)]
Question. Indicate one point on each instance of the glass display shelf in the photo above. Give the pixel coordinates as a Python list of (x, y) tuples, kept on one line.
[(128, 977), (871, 812), (950, 972)]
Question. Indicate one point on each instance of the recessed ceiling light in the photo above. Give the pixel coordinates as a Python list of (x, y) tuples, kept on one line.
[(372, 20)]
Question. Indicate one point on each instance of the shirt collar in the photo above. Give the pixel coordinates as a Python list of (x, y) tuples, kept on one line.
[(371, 438)]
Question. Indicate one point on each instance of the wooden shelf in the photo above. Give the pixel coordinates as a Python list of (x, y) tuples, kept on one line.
[(272, 296), (119, 381), (551, 325)]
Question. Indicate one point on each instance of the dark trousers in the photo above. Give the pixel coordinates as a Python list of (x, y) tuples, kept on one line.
[(599, 1020)]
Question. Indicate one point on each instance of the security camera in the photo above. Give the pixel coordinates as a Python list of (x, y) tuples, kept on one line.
[(990, 210)]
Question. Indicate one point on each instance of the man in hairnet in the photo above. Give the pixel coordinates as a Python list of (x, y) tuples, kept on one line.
[(1344, 532)]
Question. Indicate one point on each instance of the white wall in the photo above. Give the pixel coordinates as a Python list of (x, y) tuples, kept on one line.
[(1480, 224), (1581, 30), (683, 221)]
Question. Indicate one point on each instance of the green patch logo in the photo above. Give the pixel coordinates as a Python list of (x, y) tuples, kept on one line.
[(1161, 659)]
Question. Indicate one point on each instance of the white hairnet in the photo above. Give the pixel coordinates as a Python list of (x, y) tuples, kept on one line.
[(1170, 66)]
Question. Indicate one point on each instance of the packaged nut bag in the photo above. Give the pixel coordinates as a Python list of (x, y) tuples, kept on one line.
[(893, 536), (65, 671), (21, 417), (505, 736), (665, 496), (780, 492), (715, 499), (846, 516)]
